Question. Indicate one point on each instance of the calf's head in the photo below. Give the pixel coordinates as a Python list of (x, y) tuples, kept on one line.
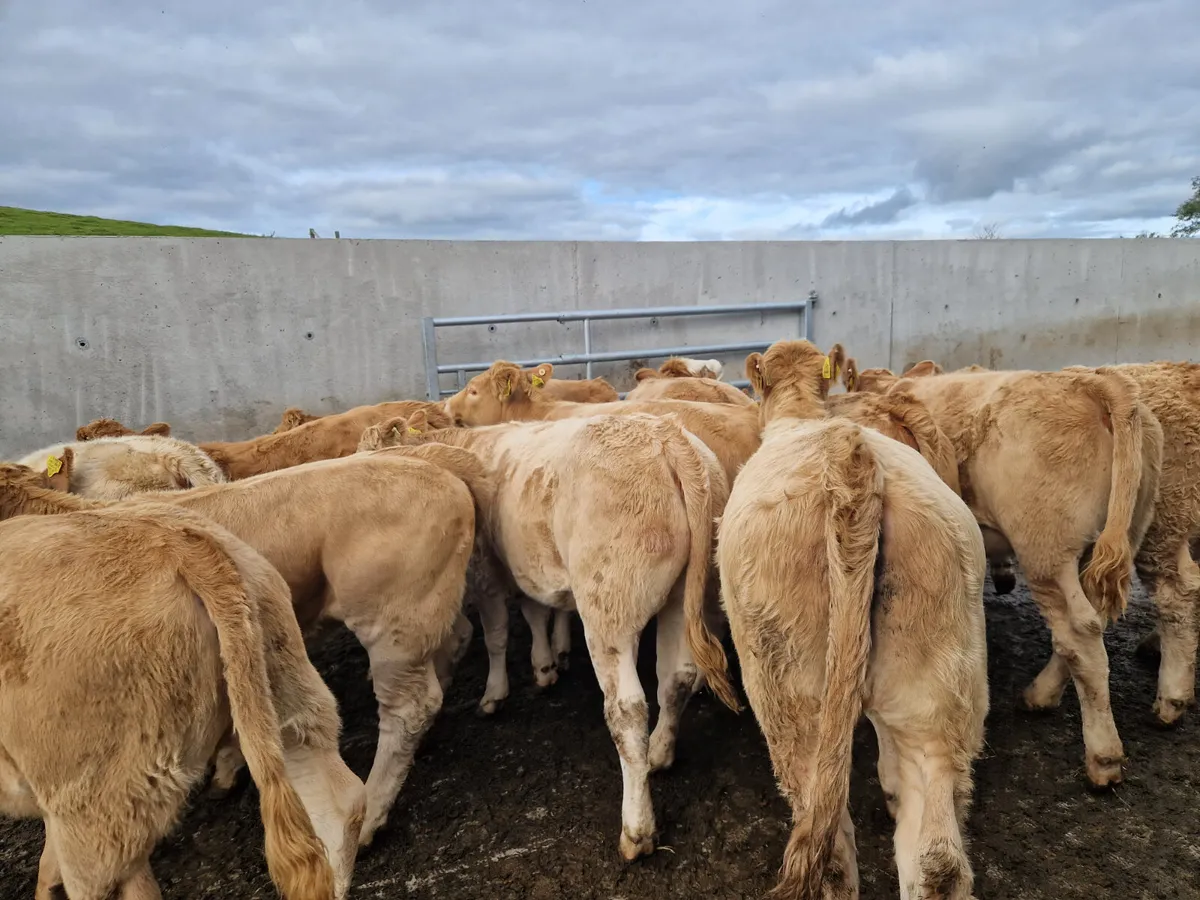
[(792, 379), (104, 427), (686, 367), (21, 484), (923, 369), (489, 397), (400, 431), (875, 381)]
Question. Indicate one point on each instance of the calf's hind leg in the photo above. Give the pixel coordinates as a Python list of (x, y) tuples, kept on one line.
[(335, 801), (49, 883), (88, 859), (930, 858), (545, 670), (614, 656), (889, 763), (1175, 587), (677, 675), (409, 696), (786, 702), (560, 642), (1078, 634), (227, 766)]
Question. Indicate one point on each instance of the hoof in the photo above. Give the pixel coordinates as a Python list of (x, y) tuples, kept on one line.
[(366, 836), (632, 848), (488, 707), (660, 757), (220, 789), (546, 677), (1169, 712), (564, 662), (371, 823), (1032, 701), (1003, 583), (1104, 772)]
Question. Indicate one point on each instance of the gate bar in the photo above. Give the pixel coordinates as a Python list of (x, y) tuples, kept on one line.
[(430, 324)]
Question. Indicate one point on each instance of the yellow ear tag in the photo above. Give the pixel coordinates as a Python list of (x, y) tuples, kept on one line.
[(537, 381), (53, 466), (412, 430), (825, 369), (849, 382), (507, 389)]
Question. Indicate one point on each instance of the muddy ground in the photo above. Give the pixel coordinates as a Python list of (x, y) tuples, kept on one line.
[(527, 804)]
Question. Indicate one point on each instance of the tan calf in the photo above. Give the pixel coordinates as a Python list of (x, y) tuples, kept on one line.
[(852, 578), (682, 367), (652, 385), (113, 468), (591, 390), (325, 437), (1165, 562), (99, 428), (903, 418), (504, 394), (353, 539), (1057, 466), (685, 366), (153, 632), (900, 416), (293, 417), (934, 446), (612, 516)]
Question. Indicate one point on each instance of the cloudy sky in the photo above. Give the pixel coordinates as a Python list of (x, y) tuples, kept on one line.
[(605, 119)]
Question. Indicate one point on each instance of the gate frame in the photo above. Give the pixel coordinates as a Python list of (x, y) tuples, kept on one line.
[(433, 370)]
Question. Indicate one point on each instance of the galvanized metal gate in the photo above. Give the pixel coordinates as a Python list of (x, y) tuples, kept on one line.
[(434, 369)]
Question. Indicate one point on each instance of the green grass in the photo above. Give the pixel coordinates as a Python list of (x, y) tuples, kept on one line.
[(14, 220)]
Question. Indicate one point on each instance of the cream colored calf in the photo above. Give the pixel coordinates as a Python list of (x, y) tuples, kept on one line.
[(379, 542), (1165, 562), (145, 628), (852, 578), (611, 516), (1060, 469), (504, 393), (113, 468)]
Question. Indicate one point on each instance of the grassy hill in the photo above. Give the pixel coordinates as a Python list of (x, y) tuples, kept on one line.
[(32, 221)]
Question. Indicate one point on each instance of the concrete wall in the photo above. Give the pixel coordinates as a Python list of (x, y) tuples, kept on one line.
[(218, 335)]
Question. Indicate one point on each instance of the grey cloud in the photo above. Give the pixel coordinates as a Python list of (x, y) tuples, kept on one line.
[(455, 118), (880, 213)]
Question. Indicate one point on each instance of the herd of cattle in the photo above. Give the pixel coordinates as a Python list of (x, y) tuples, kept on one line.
[(156, 596)]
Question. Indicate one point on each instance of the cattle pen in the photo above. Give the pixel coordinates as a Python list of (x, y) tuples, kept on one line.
[(221, 337)]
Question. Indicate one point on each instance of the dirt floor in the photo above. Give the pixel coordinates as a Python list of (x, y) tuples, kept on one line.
[(527, 804)]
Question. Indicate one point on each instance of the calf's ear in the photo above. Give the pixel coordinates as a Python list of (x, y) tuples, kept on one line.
[(58, 471), (755, 372), (507, 380)]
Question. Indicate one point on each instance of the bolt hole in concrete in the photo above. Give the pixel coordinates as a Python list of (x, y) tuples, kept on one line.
[(308, 335), (492, 329), (81, 343)]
